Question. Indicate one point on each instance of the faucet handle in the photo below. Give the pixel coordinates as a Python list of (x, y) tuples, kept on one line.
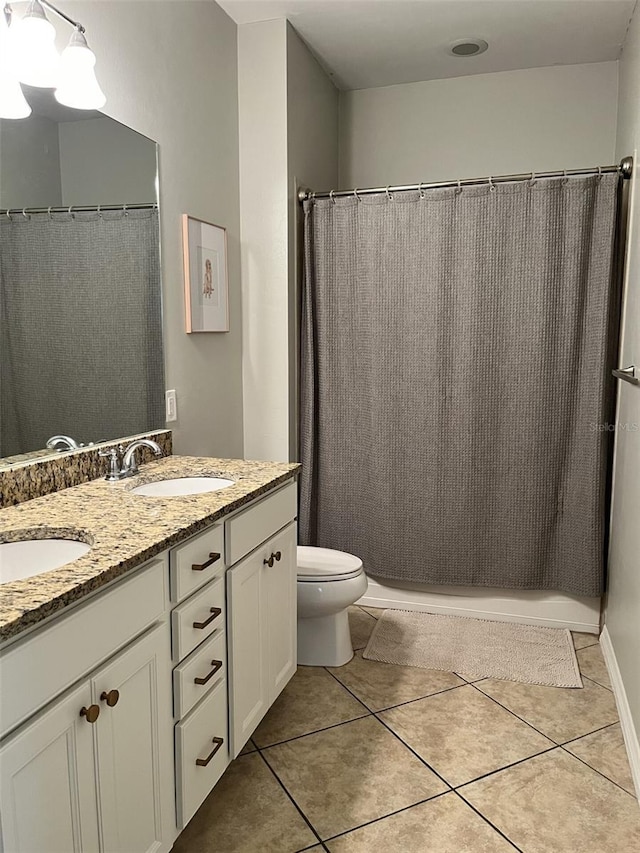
[(114, 472)]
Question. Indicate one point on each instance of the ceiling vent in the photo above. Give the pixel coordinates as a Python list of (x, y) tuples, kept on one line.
[(468, 47)]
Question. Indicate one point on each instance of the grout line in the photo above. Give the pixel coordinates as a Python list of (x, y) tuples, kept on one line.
[(486, 820), (593, 681), (398, 704), (385, 816), (599, 772), (297, 807), (317, 731), (517, 716), (506, 767), (592, 732)]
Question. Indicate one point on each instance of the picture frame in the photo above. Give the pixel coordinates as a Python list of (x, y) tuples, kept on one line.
[(206, 281)]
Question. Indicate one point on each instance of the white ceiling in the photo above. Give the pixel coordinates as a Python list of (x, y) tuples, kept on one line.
[(367, 43)]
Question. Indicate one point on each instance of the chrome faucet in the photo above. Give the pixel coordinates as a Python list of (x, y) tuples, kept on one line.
[(62, 442), (129, 462), (129, 465)]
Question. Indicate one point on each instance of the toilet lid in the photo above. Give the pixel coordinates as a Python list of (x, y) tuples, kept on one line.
[(326, 564)]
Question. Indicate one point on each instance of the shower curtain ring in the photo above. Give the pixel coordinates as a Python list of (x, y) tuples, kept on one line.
[(332, 196), (49, 212), (389, 197), (8, 214), (532, 179), (99, 212), (599, 173), (459, 187), (421, 191), (25, 214), (355, 192), (565, 179), (492, 186), (71, 214), (124, 210)]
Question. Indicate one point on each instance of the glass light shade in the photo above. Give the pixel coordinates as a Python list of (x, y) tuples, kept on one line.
[(12, 100), (32, 39), (78, 86)]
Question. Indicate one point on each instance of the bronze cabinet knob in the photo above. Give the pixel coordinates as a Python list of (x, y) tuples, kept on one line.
[(269, 562), (278, 555), (91, 713), (111, 698)]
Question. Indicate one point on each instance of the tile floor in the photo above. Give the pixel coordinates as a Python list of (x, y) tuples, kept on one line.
[(375, 757)]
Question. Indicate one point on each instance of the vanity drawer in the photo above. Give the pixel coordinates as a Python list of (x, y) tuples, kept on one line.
[(195, 562), (196, 738), (208, 664), (248, 529), (197, 618)]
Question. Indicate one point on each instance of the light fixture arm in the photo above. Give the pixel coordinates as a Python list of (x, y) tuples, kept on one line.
[(52, 8)]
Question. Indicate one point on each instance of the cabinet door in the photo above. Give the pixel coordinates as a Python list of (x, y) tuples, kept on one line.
[(247, 649), (47, 783), (281, 609), (135, 747)]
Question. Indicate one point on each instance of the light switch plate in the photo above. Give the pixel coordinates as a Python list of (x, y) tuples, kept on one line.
[(171, 403)]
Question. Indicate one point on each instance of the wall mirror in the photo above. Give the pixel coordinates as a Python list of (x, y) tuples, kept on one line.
[(80, 289)]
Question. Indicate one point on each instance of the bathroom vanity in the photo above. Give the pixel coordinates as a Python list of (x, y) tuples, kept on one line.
[(131, 677)]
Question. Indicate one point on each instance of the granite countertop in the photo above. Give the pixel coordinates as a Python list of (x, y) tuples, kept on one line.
[(124, 530)]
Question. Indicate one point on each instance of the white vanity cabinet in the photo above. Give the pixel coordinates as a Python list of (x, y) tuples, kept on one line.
[(261, 600), (92, 771)]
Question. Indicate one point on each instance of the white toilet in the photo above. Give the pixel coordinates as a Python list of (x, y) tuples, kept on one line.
[(328, 583)]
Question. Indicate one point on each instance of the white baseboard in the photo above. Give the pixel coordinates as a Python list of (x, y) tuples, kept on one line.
[(629, 733), (548, 609)]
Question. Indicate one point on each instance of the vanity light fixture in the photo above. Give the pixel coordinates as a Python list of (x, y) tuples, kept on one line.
[(29, 56)]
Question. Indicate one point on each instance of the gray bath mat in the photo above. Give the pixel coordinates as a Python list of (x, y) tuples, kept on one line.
[(476, 648)]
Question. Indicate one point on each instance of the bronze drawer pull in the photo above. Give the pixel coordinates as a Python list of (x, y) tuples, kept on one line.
[(200, 567), (91, 713), (111, 698), (216, 664), (202, 762), (215, 612)]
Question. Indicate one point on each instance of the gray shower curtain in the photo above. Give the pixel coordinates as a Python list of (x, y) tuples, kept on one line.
[(80, 327), (455, 382)]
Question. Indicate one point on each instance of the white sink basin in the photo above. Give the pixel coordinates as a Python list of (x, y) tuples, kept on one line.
[(182, 486), (19, 560)]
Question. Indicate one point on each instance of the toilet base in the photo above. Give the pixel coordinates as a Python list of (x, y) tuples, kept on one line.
[(325, 640)]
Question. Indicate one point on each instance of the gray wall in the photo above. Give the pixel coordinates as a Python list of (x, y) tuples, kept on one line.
[(169, 70), (29, 163), (102, 162), (490, 124), (623, 605)]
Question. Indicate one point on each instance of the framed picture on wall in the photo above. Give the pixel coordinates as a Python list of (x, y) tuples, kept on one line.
[(206, 285)]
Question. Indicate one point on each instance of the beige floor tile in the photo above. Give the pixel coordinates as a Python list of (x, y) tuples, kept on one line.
[(593, 666), (312, 700), (558, 712), (361, 624), (463, 734), (246, 811), (555, 804), (381, 685), (605, 752), (443, 825), (351, 774), (580, 640)]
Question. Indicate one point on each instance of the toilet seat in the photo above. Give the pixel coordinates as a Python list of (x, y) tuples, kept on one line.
[(326, 564)]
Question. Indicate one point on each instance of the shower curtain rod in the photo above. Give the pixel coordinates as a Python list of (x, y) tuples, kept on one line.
[(625, 169), (73, 208)]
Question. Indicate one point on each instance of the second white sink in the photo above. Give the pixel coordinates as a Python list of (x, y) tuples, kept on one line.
[(182, 486)]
